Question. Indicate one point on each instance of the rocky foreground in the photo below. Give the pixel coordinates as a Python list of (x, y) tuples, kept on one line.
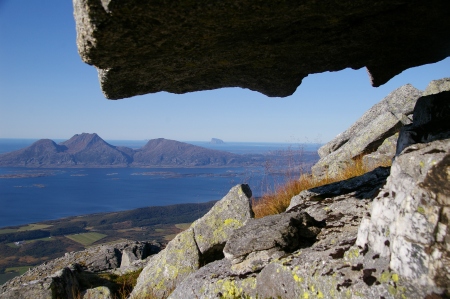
[(381, 235)]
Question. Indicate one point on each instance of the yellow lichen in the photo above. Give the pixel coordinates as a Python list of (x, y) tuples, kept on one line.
[(305, 295), (320, 295), (352, 253), (421, 210), (384, 277), (232, 222), (392, 290), (395, 277), (297, 278)]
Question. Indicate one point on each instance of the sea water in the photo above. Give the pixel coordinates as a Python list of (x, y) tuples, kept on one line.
[(30, 195), (57, 193)]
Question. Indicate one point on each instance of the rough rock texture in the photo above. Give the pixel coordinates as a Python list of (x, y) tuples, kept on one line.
[(202, 243), (383, 154), (369, 132), (381, 238), (431, 121), (437, 86), (409, 223), (318, 268), (60, 278), (143, 47), (97, 293), (251, 247), (410, 219)]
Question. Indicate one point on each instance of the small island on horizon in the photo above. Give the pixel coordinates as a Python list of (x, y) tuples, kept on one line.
[(216, 141)]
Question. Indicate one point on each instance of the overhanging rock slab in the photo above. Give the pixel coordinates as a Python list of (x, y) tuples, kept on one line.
[(180, 46)]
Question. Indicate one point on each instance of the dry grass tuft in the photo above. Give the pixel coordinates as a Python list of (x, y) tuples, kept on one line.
[(277, 202)]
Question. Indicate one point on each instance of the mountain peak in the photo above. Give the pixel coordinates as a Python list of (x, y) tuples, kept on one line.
[(82, 141)]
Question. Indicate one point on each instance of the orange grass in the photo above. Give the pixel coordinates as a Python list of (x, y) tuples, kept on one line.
[(278, 201)]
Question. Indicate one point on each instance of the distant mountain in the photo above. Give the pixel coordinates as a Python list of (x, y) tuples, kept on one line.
[(80, 150), (164, 152), (89, 150)]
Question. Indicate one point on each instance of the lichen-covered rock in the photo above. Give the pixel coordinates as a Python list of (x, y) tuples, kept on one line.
[(150, 46), (410, 218), (214, 229), (326, 268), (97, 293), (202, 243), (368, 134), (254, 245)]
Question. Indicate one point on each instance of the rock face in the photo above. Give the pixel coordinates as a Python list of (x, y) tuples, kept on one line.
[(409, 225), (430, 121), (62, 278), (143, 47), (302, 253), (202, 243), (374, 133), (253, 246)]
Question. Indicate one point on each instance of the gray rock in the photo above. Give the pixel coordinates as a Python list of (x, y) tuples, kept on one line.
[(384, 153), (437, 86), (409, 219), (430, 121), (145, 46), (202, 243), (368, 134), (61, 284), (251, 247), (97, 293), (60, 278), (365, 186), (321, 269)]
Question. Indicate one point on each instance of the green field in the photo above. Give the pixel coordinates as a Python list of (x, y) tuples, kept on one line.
[(183, 226), (12, 272), (24, 228), (20, 270), (86, 239)]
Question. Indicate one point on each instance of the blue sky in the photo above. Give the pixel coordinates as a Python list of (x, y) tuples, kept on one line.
[(46, 91)]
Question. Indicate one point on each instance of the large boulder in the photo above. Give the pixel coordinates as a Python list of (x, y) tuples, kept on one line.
[(251, 247), (373, 133), (143, 47), (200, 244), (409, 223)]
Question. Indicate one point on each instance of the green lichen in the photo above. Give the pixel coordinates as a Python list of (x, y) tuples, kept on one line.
[(352, 254), (421, 210), (392, 290), (229, 290), (384, 277)]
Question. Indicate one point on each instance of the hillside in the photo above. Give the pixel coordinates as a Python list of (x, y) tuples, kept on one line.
[(90, 150), (163, 152)]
